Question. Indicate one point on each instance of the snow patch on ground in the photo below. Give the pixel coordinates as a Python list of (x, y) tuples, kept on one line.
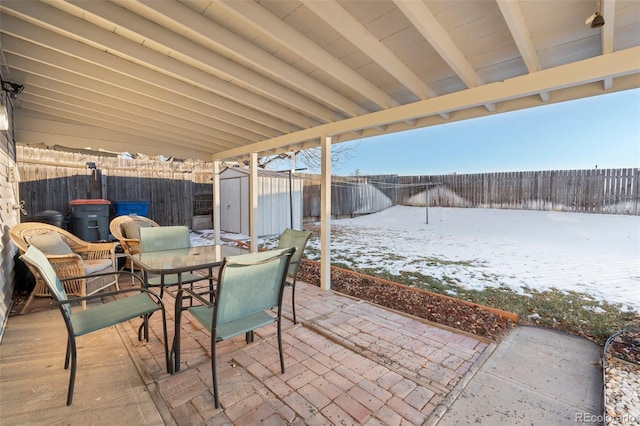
[(590, 253), (476, 248)]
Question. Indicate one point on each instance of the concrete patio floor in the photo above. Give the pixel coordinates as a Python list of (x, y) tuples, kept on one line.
[(347, 362)]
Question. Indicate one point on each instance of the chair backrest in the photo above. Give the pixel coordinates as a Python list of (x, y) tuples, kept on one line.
[(38, 261), (250, 283), (119, 223), (23, 232), (164, 238), (297, 239)]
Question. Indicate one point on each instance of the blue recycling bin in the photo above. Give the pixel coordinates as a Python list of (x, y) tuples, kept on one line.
[(124, 208)]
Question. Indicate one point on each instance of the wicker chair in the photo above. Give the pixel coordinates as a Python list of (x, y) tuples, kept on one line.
[(130, 243), (84, 259)]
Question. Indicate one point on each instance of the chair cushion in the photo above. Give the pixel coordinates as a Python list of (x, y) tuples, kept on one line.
[(50, 243), (97, 265), (132, 228)]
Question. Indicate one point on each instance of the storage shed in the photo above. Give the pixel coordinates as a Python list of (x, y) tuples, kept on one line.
[(276, 201)]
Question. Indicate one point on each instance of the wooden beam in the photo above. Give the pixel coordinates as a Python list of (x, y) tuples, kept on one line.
[(192, 22), (344, 23), (617, 64), (258, 17)]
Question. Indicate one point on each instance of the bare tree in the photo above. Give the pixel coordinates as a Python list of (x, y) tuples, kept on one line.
[(311, 158)]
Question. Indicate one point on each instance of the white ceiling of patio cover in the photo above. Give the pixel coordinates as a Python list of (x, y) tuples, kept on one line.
[(220, 79)]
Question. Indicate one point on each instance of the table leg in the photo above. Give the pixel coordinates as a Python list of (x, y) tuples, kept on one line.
[(175, 347), (210, 284)]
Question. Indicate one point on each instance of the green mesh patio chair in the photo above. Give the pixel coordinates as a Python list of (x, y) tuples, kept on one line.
[(169, 238), (297, 239), (249, 287), (96, 318)]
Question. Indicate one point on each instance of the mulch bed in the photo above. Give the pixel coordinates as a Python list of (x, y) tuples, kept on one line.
[(626, 345), (440, 309)]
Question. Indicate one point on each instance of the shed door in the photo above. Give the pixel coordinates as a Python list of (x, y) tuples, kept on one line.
[(230, 205)]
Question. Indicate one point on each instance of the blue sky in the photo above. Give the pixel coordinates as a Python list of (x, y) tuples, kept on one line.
[(602, 130)]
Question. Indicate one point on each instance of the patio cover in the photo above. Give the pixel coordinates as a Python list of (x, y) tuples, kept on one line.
[(231, 80), (222, 79)]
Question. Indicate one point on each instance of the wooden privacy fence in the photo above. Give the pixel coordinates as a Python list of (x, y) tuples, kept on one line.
[(612, 191), (176, 190), (609, 191), (50, 179)]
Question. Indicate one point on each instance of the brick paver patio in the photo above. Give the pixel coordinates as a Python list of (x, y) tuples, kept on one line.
[(347, 362)]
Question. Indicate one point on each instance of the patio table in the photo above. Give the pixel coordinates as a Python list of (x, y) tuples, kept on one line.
[(178, 261)]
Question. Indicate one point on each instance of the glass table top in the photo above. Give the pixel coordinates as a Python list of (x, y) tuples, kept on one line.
[(187, 259)]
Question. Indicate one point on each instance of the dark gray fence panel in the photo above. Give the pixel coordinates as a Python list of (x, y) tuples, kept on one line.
[(51, 179)]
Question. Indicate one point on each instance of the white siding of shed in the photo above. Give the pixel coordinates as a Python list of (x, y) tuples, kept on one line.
[(273, 201)]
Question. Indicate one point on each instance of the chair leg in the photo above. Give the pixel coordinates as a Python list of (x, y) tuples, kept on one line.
[(214, 376), (72, 377), (211, 281), (133, 271), (29, 300), (68, 354), (144, 328), (280, 345), (293, 300), (166, 342), (83, 293)]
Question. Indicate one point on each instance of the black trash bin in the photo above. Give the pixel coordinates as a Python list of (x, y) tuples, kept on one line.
[(51, 217), (90, 219)]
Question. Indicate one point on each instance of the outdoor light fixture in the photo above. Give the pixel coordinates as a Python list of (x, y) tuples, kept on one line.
[(13, 89), (596, 20)]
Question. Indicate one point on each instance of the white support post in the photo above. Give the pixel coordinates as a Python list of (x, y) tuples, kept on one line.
[(292, 170), (216, 202), (325, 213), (253, 201)]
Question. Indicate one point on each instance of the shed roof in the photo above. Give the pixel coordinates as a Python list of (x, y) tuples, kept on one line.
[(261, 173)]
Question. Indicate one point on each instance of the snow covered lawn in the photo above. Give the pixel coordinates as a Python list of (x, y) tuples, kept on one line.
[(588, 253)]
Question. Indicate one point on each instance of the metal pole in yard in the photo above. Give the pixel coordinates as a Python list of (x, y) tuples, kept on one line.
[(426, 197), (291, 171)]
